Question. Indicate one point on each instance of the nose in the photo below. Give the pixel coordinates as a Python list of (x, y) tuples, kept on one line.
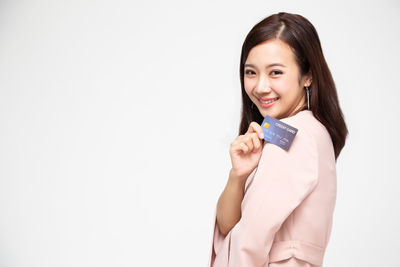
[(263, 85)]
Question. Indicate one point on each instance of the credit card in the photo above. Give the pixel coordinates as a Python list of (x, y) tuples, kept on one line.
[(278, 132)]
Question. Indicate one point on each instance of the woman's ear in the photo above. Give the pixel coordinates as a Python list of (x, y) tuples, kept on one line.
[(308, 79)]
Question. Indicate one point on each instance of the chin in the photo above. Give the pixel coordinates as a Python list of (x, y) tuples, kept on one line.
[(269, 113)]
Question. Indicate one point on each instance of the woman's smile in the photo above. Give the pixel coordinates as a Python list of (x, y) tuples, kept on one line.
[(267, 102)]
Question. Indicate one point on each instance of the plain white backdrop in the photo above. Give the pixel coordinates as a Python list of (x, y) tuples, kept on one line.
[(116, 119)]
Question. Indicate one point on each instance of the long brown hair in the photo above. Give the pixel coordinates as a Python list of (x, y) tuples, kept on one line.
[(301, 36)]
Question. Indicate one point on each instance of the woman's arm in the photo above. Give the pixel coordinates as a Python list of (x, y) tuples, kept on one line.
[(229, 203), (282, 181)]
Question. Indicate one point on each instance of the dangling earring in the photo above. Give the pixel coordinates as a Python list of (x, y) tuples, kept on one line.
[(308, 97), (252, 105)]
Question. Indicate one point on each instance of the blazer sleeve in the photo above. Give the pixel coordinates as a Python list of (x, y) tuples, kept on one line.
[(282, 181)]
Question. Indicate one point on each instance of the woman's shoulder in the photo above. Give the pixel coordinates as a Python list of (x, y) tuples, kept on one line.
[(310, 129), (306, 122), (304, 142), (302, 155)]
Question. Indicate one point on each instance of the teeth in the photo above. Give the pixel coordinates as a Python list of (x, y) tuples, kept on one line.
[(269, 101)]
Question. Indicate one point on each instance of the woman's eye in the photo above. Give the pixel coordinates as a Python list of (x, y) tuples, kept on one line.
[(276, 72), (249, 72)]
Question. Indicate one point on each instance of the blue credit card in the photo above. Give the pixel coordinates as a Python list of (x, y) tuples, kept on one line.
[(278, 132)]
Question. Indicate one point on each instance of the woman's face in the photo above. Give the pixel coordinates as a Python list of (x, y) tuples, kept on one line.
[(271, 73)]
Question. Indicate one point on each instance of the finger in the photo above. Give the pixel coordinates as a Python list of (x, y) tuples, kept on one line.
[(243, 147), (255, 127), (237, 140), (248, 140), (238, 144), (256, 141)]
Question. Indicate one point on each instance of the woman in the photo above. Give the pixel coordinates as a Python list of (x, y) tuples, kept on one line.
[(277, 206)]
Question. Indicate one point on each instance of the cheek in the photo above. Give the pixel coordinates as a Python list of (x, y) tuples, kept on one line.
[(284, 86), (248, 85), (281, 87)]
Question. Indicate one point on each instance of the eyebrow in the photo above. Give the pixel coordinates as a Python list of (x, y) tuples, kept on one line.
[(270, 65)]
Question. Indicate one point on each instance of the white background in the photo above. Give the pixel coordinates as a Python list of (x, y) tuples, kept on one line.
[(116, 119)]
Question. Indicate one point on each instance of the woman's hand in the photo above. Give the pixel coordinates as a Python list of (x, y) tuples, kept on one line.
[(246, 151)]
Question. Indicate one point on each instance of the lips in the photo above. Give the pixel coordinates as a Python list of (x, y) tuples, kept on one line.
[(264, 99)]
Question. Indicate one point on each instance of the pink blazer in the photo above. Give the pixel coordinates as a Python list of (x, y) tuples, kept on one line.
[(287, 209)]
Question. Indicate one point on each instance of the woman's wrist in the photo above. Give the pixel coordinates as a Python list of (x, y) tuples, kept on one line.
[(237, 180)]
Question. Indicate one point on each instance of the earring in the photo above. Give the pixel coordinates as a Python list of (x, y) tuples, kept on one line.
[(308, 97), (252, 105)]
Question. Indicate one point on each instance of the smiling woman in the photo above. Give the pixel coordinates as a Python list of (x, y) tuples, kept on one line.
[(277, 88), (277, 207), (278, 50)]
